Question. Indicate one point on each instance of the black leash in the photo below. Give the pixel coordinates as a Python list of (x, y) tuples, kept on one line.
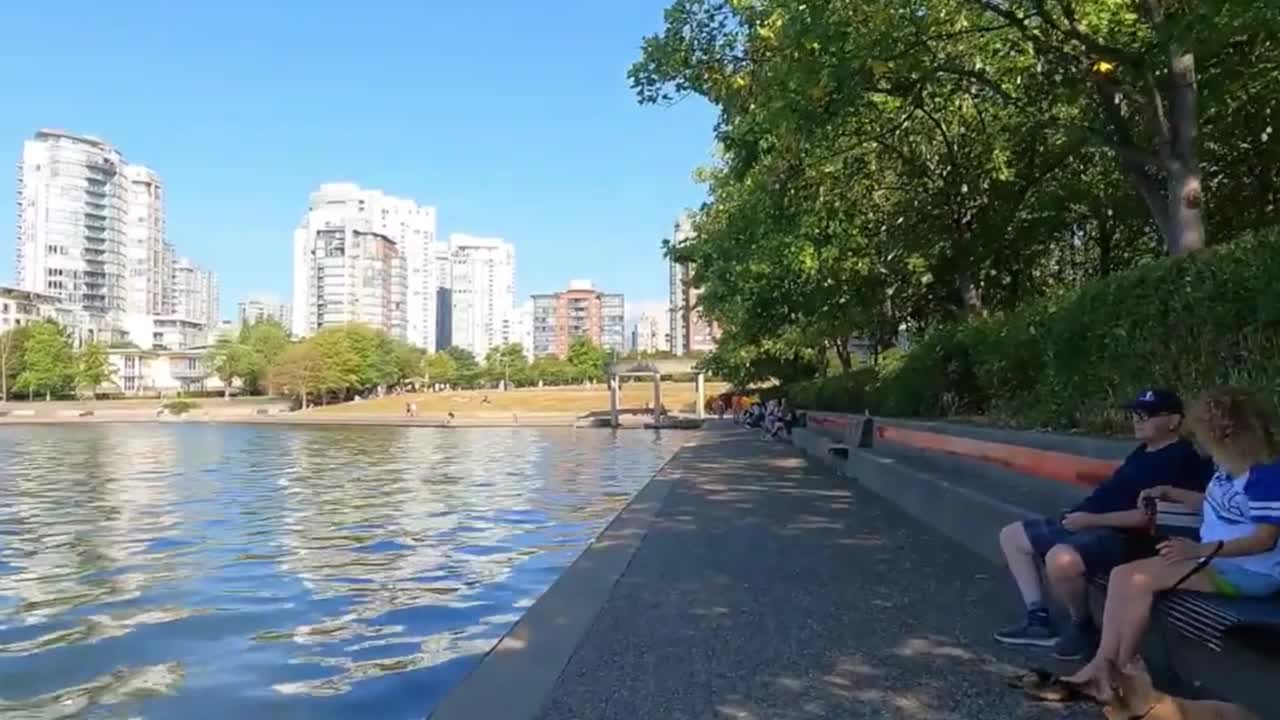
[(1201, 564)]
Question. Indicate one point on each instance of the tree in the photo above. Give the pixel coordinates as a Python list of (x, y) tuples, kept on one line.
[(12, 344), (467, 371), (93, 369), (440, 368), (550, 370), (299, 371), (587, 359), (229, 360), (506, 363), (267, 340), (341, 368), (48, 362)]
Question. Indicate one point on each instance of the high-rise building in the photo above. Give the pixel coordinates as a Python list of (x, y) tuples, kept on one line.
[(255, 309), (691, 332), (149, 256), (650, 335), (483, 287), (442, 269), (365, 256), (522, 327), (580, 311), (194, 293), (73, 199)]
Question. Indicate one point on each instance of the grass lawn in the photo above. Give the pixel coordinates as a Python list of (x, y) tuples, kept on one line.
[(677, 396)]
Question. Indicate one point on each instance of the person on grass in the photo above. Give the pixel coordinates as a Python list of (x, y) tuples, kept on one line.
[(1237, 554), (1101, 532)]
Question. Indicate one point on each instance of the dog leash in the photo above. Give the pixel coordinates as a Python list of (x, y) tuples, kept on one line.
[(1201, 564)]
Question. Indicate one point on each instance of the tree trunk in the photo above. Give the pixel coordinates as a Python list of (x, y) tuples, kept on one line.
[(842, 353), (48, 395), (970, 295), (4, 378), (226, 391), (1182, 168)]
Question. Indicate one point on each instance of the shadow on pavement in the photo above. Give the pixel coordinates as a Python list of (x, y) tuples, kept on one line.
[(768, 589)]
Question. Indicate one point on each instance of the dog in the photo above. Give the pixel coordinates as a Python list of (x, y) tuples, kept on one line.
[(1134, 697)]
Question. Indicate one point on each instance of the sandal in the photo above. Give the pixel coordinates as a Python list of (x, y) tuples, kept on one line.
[(1040, 684)]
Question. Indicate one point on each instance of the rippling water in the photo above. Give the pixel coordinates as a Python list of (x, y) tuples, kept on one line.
[(247, 572)]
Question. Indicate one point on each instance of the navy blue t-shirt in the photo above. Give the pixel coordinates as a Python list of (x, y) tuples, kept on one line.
[(1176, 464)]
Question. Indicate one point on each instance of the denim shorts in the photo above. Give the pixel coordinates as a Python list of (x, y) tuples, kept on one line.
[(1233, 580), (1101, 549)]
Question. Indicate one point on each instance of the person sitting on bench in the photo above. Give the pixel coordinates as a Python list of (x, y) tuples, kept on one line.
[(1101, 532), (1237, 554)]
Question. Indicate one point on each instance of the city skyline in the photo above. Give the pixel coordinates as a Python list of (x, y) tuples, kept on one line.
[(517, 139)]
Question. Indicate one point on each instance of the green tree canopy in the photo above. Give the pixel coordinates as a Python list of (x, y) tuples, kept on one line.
[(48, 363), (266, 340), (12, 346), (93, 369)]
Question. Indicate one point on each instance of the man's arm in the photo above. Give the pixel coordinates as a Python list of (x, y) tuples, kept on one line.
[(1123, 519), (1190, 498)]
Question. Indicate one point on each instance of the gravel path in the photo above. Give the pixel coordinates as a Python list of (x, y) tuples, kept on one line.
[(767, 589)]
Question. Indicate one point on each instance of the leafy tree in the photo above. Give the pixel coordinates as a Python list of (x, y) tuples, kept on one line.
[(299, 371), (587, 359), (407, 361), (440, 368), (551, 370), (506, 363), (48, 363), (230, 360), (341, 369), (12, 344), (266, 340), (467, 371), (93, 369)]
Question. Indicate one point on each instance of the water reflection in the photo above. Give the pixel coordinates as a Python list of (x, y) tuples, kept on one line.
[(260, 571)]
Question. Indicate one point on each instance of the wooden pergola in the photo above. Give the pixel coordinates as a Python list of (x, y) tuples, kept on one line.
[(656, 369)]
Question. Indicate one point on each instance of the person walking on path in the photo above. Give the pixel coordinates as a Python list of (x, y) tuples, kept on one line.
[(1101, 532)]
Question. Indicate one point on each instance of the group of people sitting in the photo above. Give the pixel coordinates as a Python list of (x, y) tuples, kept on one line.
[(775, 417), (1235, 490)]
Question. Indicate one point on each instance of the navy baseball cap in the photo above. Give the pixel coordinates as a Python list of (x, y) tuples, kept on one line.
[(1155, 401)]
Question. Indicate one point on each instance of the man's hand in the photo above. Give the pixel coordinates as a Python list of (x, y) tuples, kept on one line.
[(1178, 549), (1077, 521), (1159, 492)]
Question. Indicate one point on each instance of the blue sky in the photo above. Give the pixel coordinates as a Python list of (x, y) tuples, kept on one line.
[(514, 118)]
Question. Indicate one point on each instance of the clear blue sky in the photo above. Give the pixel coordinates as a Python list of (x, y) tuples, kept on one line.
[(514, 118)]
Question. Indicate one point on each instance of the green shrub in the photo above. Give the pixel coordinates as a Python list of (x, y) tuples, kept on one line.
[(1066, 362), (180, 407)]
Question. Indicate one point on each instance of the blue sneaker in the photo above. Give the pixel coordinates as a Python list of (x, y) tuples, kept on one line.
[(1036, 631), (1079, 641)]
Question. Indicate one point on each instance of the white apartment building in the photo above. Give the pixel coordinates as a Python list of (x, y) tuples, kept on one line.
[(364, 256), (161, 332), (153, 373), (522, 327), (73, 198), (149, 256), (650, 334), (194, 293), (483, 292), (253, 310), (20, 307)]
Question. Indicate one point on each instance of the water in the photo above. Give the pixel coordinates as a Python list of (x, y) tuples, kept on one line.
[(220, 571)]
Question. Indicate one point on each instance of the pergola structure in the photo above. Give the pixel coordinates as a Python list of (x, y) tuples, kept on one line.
[(655, 369)]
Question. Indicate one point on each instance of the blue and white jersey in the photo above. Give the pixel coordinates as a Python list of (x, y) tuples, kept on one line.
[(1234, 507)]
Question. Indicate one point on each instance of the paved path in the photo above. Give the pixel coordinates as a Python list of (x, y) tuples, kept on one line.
[(767, 589)]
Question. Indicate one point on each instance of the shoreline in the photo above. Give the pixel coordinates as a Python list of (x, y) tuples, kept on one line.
[(499, 420)]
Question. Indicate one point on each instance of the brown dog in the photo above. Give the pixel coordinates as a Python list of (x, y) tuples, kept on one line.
[(1133, 697)]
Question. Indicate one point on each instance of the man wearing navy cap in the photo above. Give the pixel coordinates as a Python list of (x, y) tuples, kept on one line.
[(1102, 531)]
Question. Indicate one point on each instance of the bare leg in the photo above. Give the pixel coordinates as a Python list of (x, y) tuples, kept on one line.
[(1021, 559), (1065, 570), (1130, 594)]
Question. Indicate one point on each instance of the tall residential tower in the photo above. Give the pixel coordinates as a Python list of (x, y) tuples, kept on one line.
[(483, 288), (364, 256)]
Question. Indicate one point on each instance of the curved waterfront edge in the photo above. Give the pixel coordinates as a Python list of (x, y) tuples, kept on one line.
[(519, 673)]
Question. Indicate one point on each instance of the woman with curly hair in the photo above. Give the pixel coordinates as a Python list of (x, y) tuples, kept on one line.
[(1237, 554)]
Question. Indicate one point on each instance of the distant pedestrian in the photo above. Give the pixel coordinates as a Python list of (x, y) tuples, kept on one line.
[(408, 410)]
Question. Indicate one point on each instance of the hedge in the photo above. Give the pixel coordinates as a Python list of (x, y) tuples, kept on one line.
[(1066, 362)]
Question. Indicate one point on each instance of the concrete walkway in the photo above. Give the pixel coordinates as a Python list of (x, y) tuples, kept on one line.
[(769, 589)]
